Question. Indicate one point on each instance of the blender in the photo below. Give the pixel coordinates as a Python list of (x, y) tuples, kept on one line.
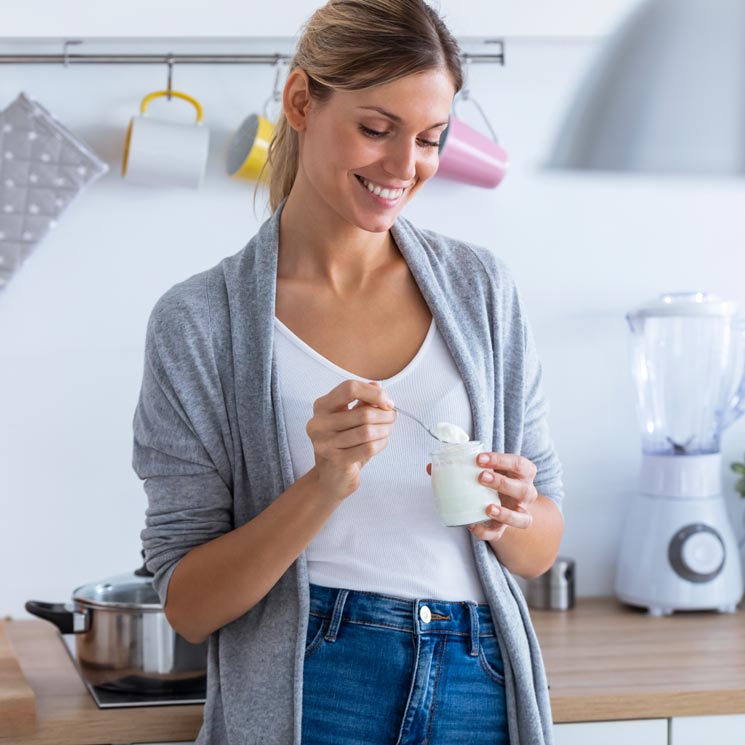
[(678, 549)]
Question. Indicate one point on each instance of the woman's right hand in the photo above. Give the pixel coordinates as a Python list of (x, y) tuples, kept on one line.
[(345, 439)]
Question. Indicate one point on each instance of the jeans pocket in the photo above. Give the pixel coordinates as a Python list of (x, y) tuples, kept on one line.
[(490, 658), (316, 629)]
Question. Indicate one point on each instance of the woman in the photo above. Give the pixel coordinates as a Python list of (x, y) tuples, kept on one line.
[(280, 526)]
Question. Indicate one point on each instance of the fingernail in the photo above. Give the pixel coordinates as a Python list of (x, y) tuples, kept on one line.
[(493, 511), (483, 458), (487, 476), (388, 402)]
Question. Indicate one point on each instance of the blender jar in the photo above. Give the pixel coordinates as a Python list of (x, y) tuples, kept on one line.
[(688, 369)]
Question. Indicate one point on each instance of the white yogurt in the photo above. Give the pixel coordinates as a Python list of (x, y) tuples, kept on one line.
[(451, 433), (461, 498)]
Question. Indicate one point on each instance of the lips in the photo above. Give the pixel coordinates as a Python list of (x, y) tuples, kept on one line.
[(379, 190)]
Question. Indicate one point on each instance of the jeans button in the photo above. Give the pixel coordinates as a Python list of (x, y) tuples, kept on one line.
[(425, 614)]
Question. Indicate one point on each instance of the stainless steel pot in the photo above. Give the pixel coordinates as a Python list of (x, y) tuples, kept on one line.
[(123, 640)]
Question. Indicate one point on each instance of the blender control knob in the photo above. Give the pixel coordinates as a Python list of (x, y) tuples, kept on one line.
[(697, 553)]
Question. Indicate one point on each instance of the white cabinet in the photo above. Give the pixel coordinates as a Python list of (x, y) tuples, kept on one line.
[(721, 730), (636, 731), (226, 18)]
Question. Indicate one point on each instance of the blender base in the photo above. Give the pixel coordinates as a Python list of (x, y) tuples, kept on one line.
[(679, 554), (658, 611)]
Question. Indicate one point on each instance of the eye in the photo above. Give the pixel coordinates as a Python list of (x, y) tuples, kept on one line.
[(375, 133), (371, 132)]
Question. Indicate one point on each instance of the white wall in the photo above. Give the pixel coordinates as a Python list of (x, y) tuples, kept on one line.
[(92, 18), (72, 321)]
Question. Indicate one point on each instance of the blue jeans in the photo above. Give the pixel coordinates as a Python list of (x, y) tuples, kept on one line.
[(381, 670)]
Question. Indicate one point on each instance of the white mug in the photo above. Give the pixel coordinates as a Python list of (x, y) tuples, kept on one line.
[(165, 153)]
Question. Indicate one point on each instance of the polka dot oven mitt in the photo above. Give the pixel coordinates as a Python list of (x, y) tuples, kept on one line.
[(43, 166)]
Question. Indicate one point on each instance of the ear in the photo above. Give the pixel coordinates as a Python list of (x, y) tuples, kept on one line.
[(296, 99)]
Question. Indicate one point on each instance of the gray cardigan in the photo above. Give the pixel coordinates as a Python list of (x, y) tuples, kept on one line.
[(210, 443)]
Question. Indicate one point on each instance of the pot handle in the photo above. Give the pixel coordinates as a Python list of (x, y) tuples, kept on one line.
[(66, 620)]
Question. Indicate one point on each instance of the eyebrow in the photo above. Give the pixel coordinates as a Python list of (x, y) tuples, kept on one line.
[(394, 117)]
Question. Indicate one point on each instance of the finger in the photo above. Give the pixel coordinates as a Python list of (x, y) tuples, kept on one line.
[(366, 451), (509, 462), (517, 489), (490, 530), (339, 421), (517, 518), (339, 398), (359, 435)]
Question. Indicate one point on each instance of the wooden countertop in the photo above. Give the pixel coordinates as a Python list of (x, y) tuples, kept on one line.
[(603, 660), (66, 713)]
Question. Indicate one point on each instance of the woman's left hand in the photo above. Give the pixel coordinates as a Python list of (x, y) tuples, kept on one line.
[(512, 477)]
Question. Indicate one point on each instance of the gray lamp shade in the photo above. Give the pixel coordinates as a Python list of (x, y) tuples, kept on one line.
[(665, 94)]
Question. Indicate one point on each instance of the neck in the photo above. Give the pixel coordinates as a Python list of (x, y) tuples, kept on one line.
[(316, 244)]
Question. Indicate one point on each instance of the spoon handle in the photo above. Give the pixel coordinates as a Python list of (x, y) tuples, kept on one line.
[(418, 421)]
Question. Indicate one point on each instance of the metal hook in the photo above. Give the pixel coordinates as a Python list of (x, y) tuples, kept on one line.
[(66, 53), (465, 91), (276, 96), (465, 95), (169, 61), (276, 92)]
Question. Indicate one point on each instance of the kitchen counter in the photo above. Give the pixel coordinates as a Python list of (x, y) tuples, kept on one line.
[(604, 661), (66, 713)]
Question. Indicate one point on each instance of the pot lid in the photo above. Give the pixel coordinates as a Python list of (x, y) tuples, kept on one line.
[(686, 304), (128, 591)]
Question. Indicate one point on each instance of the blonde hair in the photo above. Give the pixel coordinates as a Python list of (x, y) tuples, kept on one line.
[(356, 44)]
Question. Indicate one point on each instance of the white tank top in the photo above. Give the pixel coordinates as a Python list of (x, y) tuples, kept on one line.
[(386, 537)]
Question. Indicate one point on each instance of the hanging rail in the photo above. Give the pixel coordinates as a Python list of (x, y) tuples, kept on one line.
[(197, 59)]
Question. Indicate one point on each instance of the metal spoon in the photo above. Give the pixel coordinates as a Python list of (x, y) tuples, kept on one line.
[(419, 422)]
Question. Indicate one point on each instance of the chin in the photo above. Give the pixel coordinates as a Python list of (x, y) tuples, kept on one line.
[(368, 220), (377, 221), (377, 225)]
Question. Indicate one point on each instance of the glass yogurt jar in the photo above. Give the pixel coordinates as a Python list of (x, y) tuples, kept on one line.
[(461, 498)]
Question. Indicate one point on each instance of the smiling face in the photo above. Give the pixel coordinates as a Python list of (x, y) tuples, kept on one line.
[(364, 154)]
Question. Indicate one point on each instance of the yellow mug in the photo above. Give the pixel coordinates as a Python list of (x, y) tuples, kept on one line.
[(249, 147)]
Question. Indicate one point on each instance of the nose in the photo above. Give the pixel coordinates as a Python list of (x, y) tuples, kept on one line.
[(401, 160)]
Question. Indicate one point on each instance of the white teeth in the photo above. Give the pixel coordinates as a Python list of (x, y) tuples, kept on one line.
[(380, 191)]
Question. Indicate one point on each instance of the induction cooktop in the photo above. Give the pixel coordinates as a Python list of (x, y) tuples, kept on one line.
[(107, 699)]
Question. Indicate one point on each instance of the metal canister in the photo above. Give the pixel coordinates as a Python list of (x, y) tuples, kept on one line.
[(554, 589)]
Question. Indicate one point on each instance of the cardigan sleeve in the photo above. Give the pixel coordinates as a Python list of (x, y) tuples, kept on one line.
[(178, 451), (525, 407), (537, 443)]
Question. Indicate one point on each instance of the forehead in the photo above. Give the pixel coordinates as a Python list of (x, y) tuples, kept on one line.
[(420, 98)]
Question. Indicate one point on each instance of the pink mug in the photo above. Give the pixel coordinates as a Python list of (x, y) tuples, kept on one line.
[(470, 157)]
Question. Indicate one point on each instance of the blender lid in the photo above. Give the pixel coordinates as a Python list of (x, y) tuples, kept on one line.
[(121, 591), (686, 304)]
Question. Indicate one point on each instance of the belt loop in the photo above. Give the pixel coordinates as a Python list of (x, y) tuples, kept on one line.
[(415, 617), (474, 613), (341, 598)]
